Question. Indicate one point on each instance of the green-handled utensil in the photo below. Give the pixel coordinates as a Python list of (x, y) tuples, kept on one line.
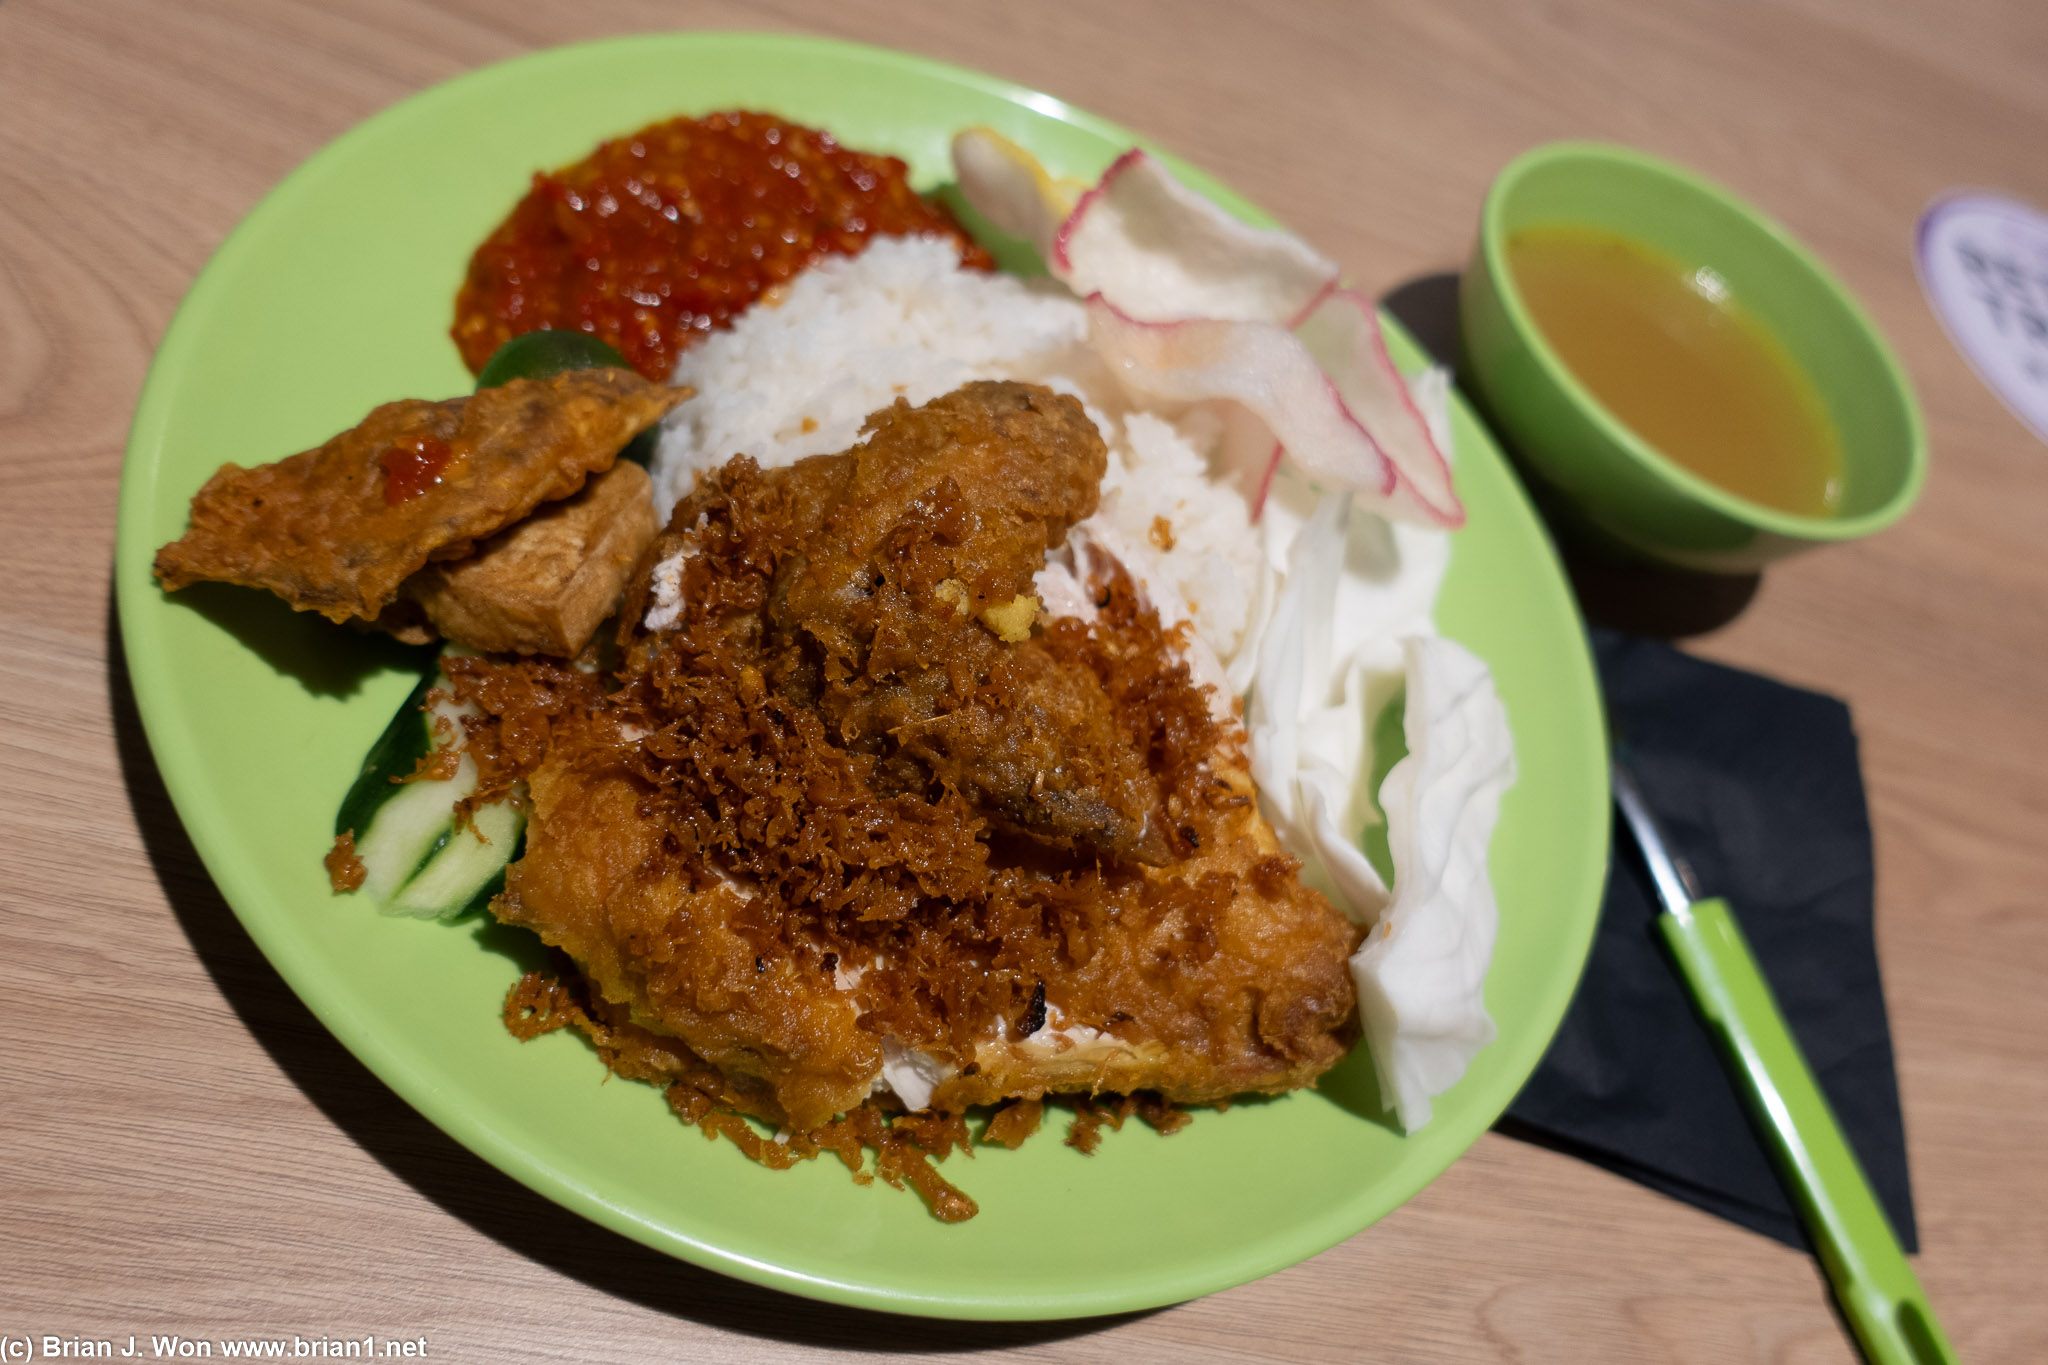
[(1879, 1295)]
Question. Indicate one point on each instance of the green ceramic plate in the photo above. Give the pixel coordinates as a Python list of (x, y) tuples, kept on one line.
[(335, 295)]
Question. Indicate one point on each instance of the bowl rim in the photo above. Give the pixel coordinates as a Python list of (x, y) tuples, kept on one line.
[(1761, 516)]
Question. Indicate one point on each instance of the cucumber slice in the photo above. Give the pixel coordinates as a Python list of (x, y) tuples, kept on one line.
[(409, 830), (452, 879), (398, 750), (416, 862)]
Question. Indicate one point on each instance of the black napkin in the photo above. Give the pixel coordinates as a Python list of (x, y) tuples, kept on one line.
[(1757, 785)]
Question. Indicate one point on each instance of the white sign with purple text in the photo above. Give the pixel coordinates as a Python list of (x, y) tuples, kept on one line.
[(1983, 262)]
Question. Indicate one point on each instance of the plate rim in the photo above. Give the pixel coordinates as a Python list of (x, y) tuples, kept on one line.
[(149, 676)]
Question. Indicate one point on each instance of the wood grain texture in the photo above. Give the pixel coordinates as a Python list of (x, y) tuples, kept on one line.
[(186, 1150)]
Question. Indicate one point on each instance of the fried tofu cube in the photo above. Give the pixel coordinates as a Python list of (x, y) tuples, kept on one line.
[(544, 585)]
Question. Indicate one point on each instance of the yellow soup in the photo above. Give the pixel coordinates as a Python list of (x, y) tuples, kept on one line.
[(1682, 364)]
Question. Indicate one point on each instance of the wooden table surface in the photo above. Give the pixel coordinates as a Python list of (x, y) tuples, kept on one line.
[(184, 1149)]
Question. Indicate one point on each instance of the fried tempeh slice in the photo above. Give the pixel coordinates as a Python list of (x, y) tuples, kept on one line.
[(544, 585), (337, 529)]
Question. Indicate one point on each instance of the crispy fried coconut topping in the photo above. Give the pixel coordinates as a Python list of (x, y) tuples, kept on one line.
[(337, 529), (833, 827)]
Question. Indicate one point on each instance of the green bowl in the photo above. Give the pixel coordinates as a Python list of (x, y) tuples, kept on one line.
[(1598, 475)]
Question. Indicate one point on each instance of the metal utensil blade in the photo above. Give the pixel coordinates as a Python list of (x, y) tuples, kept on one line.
[(1676, 885)]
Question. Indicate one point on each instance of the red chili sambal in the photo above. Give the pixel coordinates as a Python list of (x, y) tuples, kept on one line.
[(657, 238), (413, 466)]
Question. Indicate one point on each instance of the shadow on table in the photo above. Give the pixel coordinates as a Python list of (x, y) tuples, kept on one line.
[(447, 1173), (1614, 591)]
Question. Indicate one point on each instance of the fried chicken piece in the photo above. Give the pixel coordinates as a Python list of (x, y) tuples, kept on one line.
[(544, 585), (1231, 979), (674, 951), (545, 1001), (1216, 974), (902, 550), (740, 850), (1019, 463), (710, 859), (337, 529)]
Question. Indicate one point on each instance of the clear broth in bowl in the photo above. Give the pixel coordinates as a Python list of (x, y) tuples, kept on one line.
[(1681, 363)]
